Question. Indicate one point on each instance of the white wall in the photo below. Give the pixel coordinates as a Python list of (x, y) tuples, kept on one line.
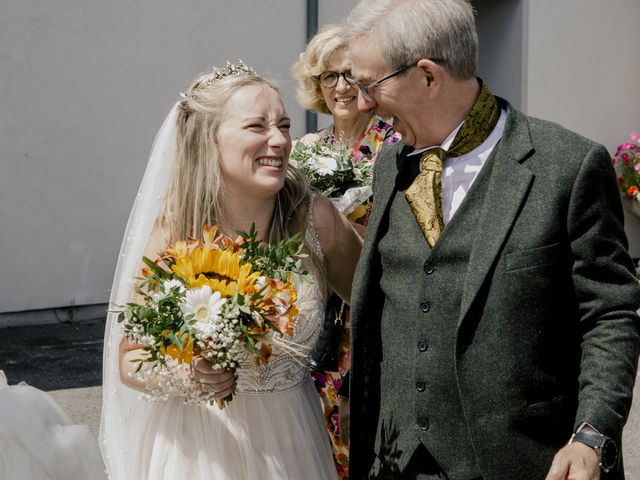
[(583, 71), (84, 84)]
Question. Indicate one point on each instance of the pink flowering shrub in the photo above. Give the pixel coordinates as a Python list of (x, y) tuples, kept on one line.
[(627, 164)]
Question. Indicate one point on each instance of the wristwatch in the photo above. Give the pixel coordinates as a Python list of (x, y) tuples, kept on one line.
[(605, 448)]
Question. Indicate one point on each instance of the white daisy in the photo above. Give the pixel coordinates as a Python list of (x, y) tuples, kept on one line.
[(203, 304), (324, 165)]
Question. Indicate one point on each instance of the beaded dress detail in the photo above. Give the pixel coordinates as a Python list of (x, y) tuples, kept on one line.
[(284, 371)]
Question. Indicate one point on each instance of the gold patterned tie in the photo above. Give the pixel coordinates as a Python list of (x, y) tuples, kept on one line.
[(424, 195)]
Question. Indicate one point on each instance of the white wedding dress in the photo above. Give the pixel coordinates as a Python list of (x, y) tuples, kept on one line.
[(273, 429), (38, 441)]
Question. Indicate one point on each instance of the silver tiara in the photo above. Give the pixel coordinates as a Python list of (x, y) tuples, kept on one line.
[(216, 74), (230, 69)]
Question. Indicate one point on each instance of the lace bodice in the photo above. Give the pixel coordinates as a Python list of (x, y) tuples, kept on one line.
[(284, 370)]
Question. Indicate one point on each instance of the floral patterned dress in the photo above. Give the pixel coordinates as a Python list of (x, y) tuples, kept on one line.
[(377, 133)]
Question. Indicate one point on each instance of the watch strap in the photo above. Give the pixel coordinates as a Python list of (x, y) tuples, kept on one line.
[(592, 439)]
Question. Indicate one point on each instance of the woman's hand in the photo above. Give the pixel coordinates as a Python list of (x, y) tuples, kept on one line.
[(218, 382)]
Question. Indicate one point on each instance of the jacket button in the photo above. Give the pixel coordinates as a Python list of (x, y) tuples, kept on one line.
[(423, 423), (420, 386), (428, 268), (422, 346), (425, 307)]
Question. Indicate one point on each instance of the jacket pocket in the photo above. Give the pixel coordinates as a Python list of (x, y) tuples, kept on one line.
[(549, 422), (532, 257)]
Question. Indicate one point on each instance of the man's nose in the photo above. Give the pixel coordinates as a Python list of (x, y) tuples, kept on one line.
[(365, 105)]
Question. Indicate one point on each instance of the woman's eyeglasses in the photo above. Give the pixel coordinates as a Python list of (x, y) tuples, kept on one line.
[(330, 79)]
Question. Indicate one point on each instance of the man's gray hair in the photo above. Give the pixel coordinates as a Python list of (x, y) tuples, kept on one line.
[(409, 30)]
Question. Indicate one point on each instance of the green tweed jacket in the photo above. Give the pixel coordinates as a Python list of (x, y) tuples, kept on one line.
[(547, 331)]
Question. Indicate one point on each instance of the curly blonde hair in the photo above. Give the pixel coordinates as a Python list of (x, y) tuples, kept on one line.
[(312, 62)]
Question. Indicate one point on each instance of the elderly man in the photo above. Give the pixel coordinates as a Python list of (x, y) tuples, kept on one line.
[(495, 333)]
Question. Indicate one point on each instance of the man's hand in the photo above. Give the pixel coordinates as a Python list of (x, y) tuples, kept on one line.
[(576, 461)]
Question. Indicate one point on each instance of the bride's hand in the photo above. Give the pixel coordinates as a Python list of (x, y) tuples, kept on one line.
[(221, 383)]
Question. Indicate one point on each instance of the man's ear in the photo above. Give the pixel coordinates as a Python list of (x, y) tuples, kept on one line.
[(431, 72), (429, 79)]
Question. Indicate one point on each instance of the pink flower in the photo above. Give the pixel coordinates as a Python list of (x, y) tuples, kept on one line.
[(636, 167), (635, 136)]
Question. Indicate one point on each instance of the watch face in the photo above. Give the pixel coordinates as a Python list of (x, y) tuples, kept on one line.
[(609, 454)]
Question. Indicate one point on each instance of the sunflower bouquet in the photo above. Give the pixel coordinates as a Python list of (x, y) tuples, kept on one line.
[(221, 299)]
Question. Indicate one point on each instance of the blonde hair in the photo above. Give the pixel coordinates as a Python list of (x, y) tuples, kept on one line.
[(312, 62), (195, 190)]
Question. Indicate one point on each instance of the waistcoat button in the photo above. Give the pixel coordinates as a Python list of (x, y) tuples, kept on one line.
[(425, 307), (428, 268), (420, 386), (423, 423), (422, 345)]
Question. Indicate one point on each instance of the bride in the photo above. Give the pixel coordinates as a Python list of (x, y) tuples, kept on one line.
[(221, 157)]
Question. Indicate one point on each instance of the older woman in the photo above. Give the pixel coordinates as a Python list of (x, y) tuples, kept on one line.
[(325, 85)]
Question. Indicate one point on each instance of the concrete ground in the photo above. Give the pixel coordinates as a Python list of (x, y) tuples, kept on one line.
[(65, 359)]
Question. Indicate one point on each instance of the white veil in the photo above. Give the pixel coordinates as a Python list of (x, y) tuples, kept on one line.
[(124, 412)]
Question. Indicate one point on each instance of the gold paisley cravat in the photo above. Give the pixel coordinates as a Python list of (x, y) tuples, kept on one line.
[(424, 195)]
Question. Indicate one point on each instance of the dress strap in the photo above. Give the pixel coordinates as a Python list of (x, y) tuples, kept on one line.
[(311, 237)]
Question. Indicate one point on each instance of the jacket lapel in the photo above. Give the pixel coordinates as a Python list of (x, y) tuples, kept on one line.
[(509, 184), (386, 185)]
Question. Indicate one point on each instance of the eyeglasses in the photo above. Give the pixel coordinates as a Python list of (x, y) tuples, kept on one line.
[(366, 89), (330, 79)]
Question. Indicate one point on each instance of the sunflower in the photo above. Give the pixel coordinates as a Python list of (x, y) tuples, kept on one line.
[(182, 355), (220, 269)]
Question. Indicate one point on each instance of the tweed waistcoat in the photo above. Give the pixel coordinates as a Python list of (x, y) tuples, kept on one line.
[(420, 401)]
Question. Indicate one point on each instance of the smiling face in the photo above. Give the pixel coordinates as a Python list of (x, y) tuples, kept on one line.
[(402, 97), (254, 142), (342, 99)]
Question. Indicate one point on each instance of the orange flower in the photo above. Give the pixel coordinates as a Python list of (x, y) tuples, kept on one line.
[(282, 310)]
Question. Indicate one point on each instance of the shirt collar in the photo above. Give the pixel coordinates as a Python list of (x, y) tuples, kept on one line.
[(445, 145)]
